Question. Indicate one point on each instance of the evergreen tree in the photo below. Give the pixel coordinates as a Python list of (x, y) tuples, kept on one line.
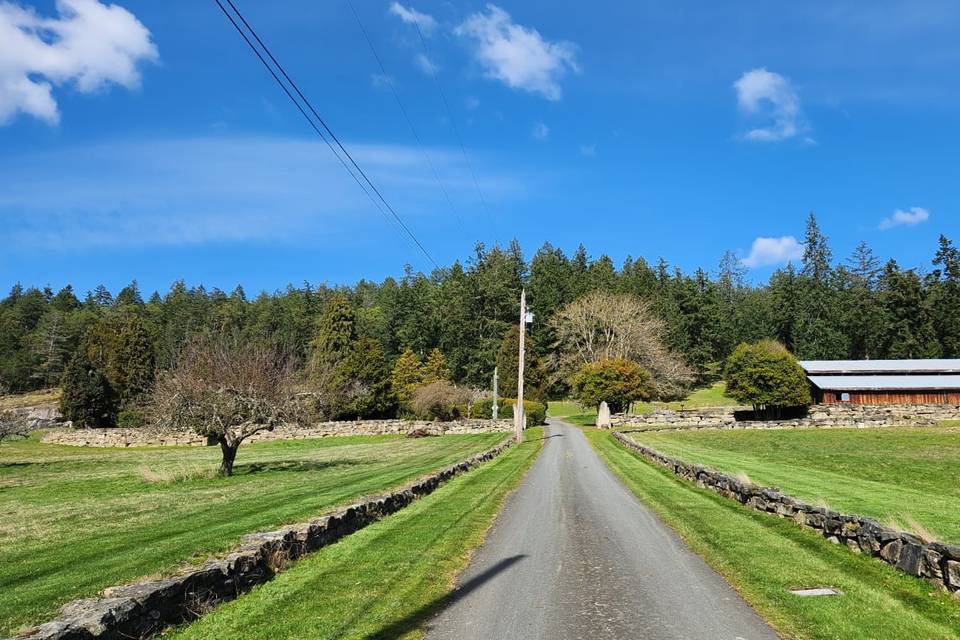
[(87, 400), (508, 363), (908, 330), (945, 297), (408, 374), (436, 367)]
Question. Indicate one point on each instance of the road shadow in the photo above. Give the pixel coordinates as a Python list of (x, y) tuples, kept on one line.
[(416, 619), (555, 435)]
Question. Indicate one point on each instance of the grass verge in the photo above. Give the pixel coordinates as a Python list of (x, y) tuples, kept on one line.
[(905, 477), (763, 557), (385, 580), (75, 520)]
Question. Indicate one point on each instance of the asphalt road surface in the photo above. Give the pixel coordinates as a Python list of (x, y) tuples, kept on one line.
[(574, 554)]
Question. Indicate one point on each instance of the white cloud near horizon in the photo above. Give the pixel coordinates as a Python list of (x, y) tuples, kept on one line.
[(87, 47), (905, 218), (766, 252), (409, 15), (148, 192), (771, 96), (516, 55)]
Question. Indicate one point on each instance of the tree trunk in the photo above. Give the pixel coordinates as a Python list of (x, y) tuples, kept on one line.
[(229, 456)]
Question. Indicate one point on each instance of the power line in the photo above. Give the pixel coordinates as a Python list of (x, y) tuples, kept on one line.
[(393, 89), (456, 131), (326, 128)]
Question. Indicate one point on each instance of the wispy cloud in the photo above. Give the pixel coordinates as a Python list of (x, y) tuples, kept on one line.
[(517, 55), (88, 46), (218, 189), (381, 80), (425, 64), (540, 131), (769, 96), (588, 150), (771, 251), (905, 218), (409, 15)]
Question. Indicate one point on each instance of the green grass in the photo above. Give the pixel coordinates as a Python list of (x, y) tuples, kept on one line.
[(703, 398), (74, 520), (763, 557), (385, 580), (902, 474)]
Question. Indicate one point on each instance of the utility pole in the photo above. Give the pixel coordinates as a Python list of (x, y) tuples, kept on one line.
[(496, 380), (519, 414)]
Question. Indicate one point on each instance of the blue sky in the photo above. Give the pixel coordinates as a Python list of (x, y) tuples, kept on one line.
[(143, 140)]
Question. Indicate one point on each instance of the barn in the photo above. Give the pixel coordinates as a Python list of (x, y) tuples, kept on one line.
[(880, 382)]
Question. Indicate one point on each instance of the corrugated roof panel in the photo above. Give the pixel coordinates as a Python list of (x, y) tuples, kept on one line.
[(825, 367), (886, 383)]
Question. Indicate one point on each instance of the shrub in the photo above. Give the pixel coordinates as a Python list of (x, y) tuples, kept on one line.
[(439, 400), (618, 382), (767, 376), (87, 400), (536, 411)]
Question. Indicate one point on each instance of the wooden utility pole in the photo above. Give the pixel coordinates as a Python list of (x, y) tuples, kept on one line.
[(518, 413), (496, 381)]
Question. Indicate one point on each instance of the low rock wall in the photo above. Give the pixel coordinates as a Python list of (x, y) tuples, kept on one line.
[(118, 437), (143, 609), (820, 416), (936, 562)]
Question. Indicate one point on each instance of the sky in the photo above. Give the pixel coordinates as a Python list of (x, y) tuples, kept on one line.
[(143, 140)]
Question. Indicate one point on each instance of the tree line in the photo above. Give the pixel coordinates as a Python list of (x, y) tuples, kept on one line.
[(820, 308)]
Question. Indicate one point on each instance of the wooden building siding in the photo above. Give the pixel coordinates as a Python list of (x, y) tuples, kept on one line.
[(889, 397)]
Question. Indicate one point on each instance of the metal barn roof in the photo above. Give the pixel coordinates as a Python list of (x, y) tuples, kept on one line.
[(894, 367), (887, 383)]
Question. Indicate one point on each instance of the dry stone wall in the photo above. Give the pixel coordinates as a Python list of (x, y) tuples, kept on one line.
[(820, 416), (939, 563), (118, 437), (144, 609)]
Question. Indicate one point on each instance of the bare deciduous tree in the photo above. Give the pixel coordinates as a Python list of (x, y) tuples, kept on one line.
[(227, 390), (603, 326), (13, 424)]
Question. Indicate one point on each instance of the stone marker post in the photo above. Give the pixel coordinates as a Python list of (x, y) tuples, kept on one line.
[(603, 416)]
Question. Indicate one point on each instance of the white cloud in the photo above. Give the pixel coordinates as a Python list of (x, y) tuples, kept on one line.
[(764, 94), (588, 150), (409, 15), (380, 80), (426, 65), (905, 218), (770, 251), (540, 131), (88, 46), (472, 102), (516, 55)]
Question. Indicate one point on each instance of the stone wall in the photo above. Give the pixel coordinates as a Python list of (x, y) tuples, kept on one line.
[(820, 416), (144, 609), (117, 437), (936, 562)]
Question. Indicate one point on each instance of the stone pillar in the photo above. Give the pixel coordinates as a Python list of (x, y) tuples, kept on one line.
[(603, 416)]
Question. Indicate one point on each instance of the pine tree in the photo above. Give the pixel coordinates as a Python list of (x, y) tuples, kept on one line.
[(87, 400), (436, 367), (408, 374), (945, 297), (535, 374)]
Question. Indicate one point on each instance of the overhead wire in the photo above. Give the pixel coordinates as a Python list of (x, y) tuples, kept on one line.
[(396, 217), (403, 110), (456, 131)]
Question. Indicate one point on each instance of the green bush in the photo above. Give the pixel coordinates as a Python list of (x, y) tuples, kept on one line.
[(536, 411), (131, 418), (616, 381), (767, 376)]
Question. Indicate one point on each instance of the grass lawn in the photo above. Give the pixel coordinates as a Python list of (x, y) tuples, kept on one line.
[(385, 580), (74, 520), (763, 557), (706, 397), (904, 474)]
